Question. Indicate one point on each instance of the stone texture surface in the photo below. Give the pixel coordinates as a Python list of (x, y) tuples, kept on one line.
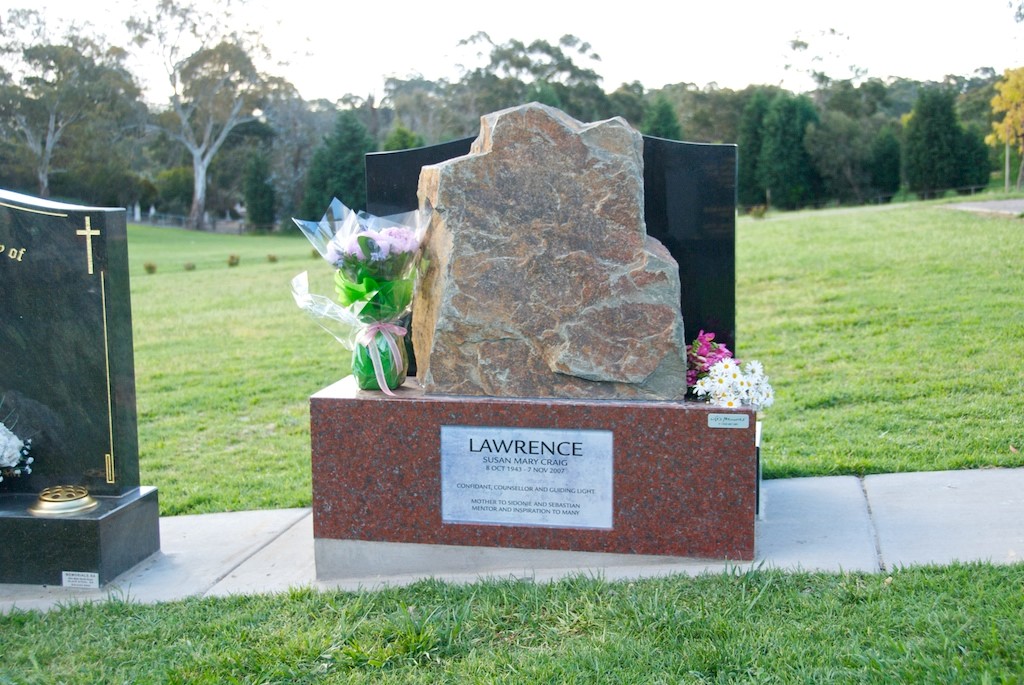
[(679, 487), (541, 280)]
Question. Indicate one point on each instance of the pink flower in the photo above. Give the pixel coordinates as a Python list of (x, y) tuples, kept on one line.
[(702, 354), (398, 239)]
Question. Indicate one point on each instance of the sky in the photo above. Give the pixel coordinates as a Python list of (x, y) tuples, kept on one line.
[(329, 49)]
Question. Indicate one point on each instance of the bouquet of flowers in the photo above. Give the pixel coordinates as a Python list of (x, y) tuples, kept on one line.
[(375, 260), (714, 375), (14, 458)]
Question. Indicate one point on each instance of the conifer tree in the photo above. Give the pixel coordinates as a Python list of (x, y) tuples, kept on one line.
[(661, 120), (337, 169), (931, 143)]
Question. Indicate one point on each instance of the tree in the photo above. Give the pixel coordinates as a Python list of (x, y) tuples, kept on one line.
[(54, 86), (932, 144), (402, 138), (840, 147), (750, 192), (784, 167), (426, 107), (1008, 107), (215, 88), (337, 169), (259, 192), (518, 72), (299, 129), (661, 120), (975, 168), (627, 101), (884, 167)]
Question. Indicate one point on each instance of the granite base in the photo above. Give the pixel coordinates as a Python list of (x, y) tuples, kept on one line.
[(88, 549), (683, 475)]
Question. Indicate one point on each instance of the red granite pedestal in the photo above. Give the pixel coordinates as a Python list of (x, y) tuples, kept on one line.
[(683, 475)]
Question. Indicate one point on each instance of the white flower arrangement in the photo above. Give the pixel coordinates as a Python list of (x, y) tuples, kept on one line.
[(727, 384), (14, 458)]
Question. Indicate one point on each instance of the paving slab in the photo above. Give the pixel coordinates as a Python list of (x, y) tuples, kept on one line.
[(945, 516), (196, 553), (284, 563), (816, 524), (365, 565), (831, 524)]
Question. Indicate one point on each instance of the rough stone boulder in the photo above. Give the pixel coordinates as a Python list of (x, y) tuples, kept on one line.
[(541, 280)]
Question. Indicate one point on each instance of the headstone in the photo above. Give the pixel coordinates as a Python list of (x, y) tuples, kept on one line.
[(67, 389), (689, 207), (548, 475), (541, 280)]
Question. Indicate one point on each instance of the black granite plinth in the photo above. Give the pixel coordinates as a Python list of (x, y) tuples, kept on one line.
[(89, 549)]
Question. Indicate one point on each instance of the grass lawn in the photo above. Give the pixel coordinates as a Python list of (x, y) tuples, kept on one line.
[(961, 624), (894, 338), (225, 363)]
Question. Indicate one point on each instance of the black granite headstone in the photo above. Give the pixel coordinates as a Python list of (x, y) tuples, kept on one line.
[(690, 206), (67, 385)]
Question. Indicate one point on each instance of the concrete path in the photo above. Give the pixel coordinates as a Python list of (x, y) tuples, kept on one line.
[(1004, 207), (834, 524)]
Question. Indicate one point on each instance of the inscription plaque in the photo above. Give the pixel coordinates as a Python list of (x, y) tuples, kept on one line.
[(526, 477), (728, 421)]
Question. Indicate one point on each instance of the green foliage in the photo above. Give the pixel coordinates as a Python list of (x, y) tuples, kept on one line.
[(337, 168), (709, 114), (975, 170), (953, 624), (402, 138), (839, 146), (661, 120), (628, 102), (518, 72), (886, 162), (932, 143), (61, 86), (785, 169), (175, 190), (259, 192), (750, 191)]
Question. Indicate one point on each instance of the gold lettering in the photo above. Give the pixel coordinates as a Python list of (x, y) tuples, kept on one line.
[(15, 253)]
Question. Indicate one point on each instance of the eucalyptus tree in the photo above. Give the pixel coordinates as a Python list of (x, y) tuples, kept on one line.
[(215, 84), (517, 72), (426, 108), (50, 84)]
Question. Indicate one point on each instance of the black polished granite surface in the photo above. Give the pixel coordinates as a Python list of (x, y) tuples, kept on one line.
[(67, 389)]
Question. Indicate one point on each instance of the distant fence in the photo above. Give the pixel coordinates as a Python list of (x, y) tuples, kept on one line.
[(234, 226)]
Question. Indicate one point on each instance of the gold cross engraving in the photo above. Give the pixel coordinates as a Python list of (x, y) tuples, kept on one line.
[(88, 232)]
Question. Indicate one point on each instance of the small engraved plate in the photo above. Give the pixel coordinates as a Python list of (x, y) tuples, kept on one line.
[(526, 476), (728, 421), (80, 579)]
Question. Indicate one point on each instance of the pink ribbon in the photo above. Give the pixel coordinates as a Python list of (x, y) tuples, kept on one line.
[(388, 331)]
